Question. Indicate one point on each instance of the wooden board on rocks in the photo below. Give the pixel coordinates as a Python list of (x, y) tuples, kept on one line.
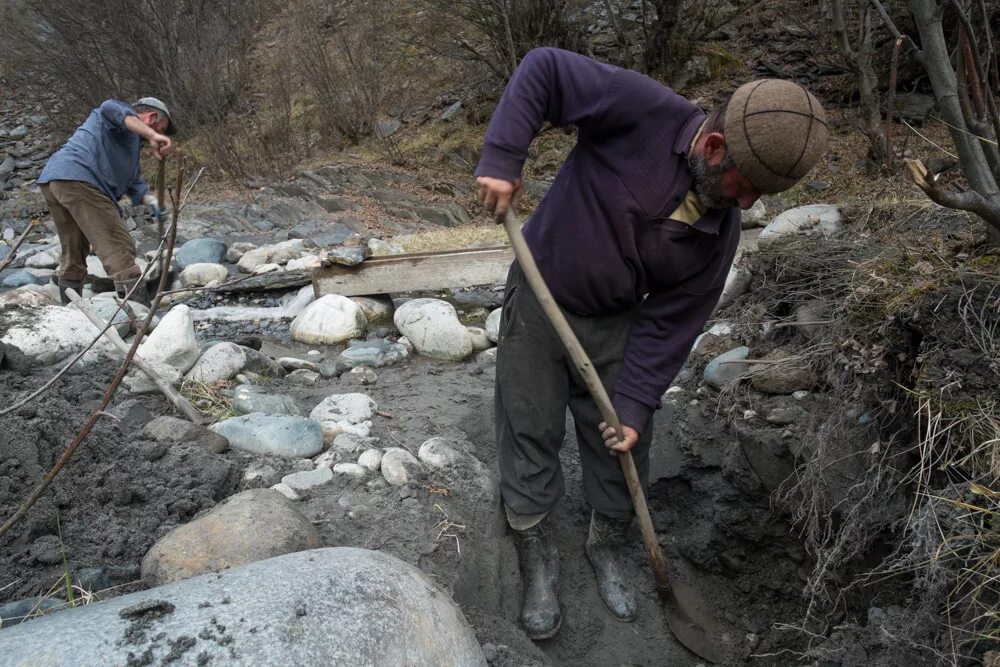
[(417, 272)]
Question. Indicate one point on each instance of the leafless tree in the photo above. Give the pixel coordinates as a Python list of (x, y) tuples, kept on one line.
[(345, 59), (191, 53), (672, 28), (497, 33), (965, 89), (858, 52)]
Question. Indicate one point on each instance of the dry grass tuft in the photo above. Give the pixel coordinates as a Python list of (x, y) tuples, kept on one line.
[(209, 398), (454, 238)]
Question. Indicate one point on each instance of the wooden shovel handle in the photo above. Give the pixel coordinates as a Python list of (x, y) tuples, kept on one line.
[(597, 391)]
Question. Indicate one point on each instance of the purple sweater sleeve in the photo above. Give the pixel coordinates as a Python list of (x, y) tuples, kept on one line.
[(661, 339), (560, 87)]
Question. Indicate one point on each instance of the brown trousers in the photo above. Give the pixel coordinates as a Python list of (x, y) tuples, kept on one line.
[(85, 217)]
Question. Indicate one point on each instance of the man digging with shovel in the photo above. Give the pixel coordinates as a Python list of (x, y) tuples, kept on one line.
[(635, 239), (83, 181)]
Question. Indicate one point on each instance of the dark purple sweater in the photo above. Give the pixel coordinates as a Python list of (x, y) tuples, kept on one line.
[(601, 236)]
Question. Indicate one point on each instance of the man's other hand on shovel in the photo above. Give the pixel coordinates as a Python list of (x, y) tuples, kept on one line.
[(612, 441), (498, 195)]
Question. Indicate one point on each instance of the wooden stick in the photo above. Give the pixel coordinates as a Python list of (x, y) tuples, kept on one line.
[(17, 244), (161, 193), (596, 388), (111, 334)]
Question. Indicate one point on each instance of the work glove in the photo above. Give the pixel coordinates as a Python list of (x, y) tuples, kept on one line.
[(150, 200)]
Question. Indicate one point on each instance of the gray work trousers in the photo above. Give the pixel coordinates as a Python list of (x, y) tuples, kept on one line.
[(535, 383)]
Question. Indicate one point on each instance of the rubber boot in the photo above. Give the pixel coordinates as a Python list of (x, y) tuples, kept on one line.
[(539, 559), (139, 295), (605, 550), (75, 285)]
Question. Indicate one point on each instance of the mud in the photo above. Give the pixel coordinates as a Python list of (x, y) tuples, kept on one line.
[(117, 495)]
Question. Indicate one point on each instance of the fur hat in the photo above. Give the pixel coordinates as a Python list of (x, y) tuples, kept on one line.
[(776, 132)]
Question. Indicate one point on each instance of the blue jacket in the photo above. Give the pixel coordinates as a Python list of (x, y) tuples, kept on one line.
[(103, 153), (602, 236)]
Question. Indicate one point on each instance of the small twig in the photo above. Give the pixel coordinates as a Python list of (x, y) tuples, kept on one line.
[(194, 182), (891, 27), (891, 102), (17, 244), (917, 132), (383, 413), (783, 325)]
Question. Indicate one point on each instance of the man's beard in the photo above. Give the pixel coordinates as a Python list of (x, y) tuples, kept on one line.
[(708, 181)]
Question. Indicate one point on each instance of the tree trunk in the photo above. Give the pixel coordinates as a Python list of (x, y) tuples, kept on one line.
[(937, 62)]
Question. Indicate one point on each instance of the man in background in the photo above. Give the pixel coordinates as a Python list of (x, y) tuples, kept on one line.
[(83, 181)]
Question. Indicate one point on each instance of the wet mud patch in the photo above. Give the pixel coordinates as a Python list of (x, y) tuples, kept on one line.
[(116, 496)]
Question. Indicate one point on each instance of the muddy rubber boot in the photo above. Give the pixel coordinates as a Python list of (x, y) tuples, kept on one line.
[(605, 550), (140, 295), (540, 569), (75, 285)]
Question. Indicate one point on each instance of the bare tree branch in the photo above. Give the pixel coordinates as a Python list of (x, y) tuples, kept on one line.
[(891, 27), (14, 248), (970, 200)]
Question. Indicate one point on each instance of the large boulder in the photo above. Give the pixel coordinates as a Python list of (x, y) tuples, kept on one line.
[(726, 368), (330, 606), (107, 309), (224, 360), (169, 429), (344, 413), (203, 273), (374, 354), (433, 327), (737, 283), (282, 435), (329, 320), (375, 308), (22, 278), (172, 342), (248, 527), (45, 335), (200, 251), (399, 466), (248, 398), (278, 253), (822, 219)]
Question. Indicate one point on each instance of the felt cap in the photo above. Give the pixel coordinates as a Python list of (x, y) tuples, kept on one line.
[(776, 132)]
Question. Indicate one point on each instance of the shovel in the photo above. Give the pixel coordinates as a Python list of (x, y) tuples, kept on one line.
[(688, 614)]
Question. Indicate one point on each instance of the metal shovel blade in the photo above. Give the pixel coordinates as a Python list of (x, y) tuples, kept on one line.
[(692, 622)]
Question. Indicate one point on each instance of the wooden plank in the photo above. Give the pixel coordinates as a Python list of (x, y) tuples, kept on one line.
[(418, 272), (266, 281)]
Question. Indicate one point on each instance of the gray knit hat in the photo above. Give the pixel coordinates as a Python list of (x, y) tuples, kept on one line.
[(775, 132)]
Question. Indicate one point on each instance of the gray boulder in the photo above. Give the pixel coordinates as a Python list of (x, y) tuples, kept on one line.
[(172, 429), (200, 251), (399, 466), (281, 435), (248, 527), (22, 278), (432, 325), (814, 219), (331, 606), (722, 370), (375, 354), (248, 398), (224, 360)]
